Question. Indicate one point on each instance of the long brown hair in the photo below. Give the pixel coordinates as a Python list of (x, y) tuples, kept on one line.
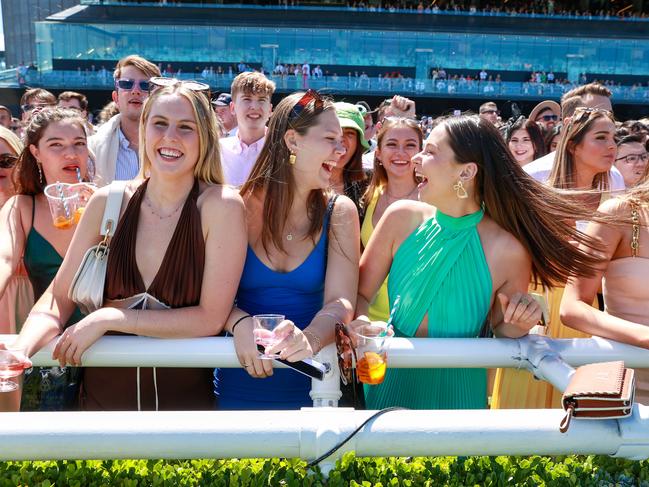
[(272, 175), (380, 175), (532, 129), (27, 178), (564, 171), (535, 214)]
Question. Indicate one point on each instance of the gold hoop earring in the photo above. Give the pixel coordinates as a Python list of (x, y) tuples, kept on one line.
[(460, 191), (292, 159)]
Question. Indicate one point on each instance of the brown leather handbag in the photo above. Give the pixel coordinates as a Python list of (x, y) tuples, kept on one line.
[(599, 391)]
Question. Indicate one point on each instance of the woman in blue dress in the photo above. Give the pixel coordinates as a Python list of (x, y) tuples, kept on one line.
[(302, 256)]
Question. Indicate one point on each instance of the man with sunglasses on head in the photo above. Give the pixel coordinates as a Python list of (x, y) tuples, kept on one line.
[(546, 114), (251, 104), (35, 98), (115, 145)]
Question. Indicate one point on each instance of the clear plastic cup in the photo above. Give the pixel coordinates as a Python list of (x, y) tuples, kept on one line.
[(264, 332), (85, 190), (371, 352), (11, 371), (63, 200)]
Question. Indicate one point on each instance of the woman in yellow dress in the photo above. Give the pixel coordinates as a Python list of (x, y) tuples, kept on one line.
[(585, 155), (398, 140)]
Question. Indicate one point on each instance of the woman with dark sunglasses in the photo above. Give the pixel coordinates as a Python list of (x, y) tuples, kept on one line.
[(55, 150), (18, 297), (174, 264), (10, 147), (302, 255)]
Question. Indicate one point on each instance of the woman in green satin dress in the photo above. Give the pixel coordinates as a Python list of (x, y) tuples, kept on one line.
[(462, 255)]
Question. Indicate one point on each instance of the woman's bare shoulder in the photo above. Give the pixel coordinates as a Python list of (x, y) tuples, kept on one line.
[(405, 215), (219, 198)]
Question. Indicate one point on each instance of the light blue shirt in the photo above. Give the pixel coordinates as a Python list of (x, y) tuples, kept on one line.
[(128, 163)]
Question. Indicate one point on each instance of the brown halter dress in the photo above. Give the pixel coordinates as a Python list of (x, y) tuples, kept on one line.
[(177, 284)]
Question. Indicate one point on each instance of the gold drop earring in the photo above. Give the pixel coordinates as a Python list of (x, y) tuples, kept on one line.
[(460, 191)]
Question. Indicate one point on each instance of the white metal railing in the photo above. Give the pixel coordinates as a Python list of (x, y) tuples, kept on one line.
[(311, 432)]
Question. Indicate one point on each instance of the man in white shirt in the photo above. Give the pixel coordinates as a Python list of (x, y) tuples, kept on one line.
[(251, 104), (115, 144), (592, 95)]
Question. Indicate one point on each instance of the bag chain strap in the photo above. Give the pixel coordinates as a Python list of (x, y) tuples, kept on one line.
[(635, 230)]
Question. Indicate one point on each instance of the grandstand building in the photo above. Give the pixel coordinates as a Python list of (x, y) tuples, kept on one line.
[(444, 59), (18, 18)]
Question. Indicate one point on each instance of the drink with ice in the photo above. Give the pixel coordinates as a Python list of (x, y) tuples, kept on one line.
[(371, 350)]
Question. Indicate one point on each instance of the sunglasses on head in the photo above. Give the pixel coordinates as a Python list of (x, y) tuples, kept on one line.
[(547, 118), (128, 84), (583, 113), (162, 82), (7, 161), (308, 97)]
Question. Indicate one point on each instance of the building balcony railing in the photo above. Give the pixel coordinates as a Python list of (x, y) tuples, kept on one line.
[(94, 80)]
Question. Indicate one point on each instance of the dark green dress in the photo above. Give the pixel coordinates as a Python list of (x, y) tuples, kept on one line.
[(47, 388)]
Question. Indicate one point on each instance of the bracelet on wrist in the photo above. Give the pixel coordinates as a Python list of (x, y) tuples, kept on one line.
[(237, 322), (314, 341)]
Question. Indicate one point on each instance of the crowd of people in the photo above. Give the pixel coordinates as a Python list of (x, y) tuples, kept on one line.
[(512, 7), (324, 212)]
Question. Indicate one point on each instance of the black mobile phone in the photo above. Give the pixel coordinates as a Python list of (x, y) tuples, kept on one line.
[(308, 366)]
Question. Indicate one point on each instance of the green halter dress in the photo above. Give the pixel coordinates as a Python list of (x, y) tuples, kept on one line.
[(440, 270)]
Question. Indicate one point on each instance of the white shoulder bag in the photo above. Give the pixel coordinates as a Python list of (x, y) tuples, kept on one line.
[(87, 288)]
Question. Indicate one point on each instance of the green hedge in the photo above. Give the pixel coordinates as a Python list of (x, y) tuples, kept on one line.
[(350, 471)]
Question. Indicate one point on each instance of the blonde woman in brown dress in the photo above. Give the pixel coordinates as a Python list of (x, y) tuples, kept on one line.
[(180, 244)]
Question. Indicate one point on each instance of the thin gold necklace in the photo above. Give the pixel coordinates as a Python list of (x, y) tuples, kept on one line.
[(396, 198), (156, 213)]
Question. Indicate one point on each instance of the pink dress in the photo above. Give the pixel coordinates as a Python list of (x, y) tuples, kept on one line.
[(16, 302), (626, 295)]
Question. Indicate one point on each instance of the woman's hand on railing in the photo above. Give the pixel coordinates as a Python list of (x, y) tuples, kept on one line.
[(19, 354), (521, 311), (77, 338), (294, 344), (247, 353)]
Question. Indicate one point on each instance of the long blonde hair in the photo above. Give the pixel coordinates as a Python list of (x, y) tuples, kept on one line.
[(564, 171), (208, 167)]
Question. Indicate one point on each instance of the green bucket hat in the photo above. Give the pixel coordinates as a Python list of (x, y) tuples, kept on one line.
[(350, 117)]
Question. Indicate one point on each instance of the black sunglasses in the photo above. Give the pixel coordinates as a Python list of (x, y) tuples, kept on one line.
[(28, 107), (162, 82), (7, 161), (128, 84), (547, 118), (308, 97)]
